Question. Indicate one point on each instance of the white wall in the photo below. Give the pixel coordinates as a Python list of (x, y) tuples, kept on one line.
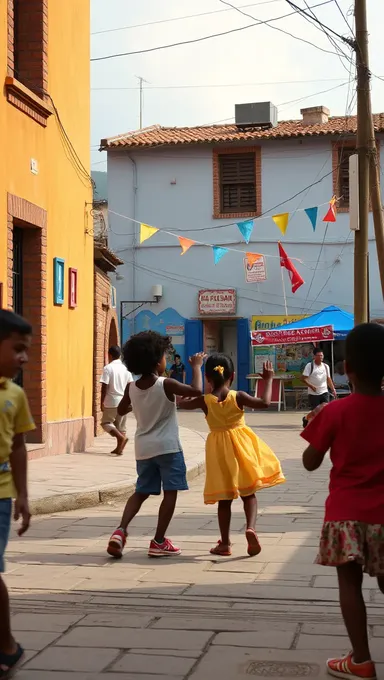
[(143, 190)]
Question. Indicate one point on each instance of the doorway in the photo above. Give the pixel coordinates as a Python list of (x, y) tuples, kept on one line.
[(220, 335), (17, 282)]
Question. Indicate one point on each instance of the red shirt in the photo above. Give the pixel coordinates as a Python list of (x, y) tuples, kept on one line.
[(353, 428)]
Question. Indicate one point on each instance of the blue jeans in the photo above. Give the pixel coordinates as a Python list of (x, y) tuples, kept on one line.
[(5, 525), (167, 470)]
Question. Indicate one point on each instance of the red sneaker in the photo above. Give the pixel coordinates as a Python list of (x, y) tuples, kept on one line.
[(117, 543), (165, 549), (346, 667)]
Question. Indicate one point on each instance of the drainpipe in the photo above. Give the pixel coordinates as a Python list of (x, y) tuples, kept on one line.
[(134, 237)]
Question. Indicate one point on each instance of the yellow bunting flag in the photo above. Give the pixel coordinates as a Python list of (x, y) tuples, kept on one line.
[(252, 258), (146, 232), (281, 221), (185, 243)]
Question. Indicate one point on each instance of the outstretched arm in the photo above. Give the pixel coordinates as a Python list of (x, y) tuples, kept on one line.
[(174, 388), (193, 404), (243, 399)]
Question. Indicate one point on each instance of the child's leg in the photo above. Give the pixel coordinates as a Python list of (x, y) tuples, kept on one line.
[(131, 509), (224, 514), (7, 643), (250, 509), (166, 510), (353, 609)]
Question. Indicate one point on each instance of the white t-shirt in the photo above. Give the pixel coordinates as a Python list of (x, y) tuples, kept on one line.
[(157, 431), (116, 376), (318, 377)]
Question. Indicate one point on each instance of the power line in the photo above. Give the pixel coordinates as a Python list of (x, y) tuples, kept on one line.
[(300, 10), (217, 35), (344, 17), (223, 85), (340, 52), (188, 16)]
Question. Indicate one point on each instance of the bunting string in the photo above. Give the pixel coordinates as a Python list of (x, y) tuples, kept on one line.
[(246, 227)]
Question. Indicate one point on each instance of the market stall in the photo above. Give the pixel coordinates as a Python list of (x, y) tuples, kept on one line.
[(290, 348)]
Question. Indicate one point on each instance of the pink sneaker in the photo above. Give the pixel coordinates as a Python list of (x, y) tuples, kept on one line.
[(117, 543), (165, 549)]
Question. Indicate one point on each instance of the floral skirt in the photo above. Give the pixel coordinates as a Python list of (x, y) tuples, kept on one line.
[(343, 542)]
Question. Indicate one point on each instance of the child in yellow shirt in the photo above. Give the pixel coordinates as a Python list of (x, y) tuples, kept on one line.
[(15, 421)]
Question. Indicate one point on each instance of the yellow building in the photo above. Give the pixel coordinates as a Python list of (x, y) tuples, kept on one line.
[(46, 243)]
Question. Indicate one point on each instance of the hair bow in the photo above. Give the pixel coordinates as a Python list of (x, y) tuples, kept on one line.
[(219, 369)]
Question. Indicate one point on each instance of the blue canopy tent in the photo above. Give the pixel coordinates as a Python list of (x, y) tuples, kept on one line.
[(341, 321)]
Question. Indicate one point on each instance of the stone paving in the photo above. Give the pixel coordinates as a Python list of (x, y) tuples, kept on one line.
[(82, 616)]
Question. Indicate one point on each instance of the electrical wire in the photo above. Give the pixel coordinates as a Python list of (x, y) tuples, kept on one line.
[(323, 26), (344, 17), (340, 52), (189, 16), (224, 85), (217, 35)]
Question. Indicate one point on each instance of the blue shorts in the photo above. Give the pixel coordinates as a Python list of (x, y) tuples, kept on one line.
[(5, 525), (168, 470)]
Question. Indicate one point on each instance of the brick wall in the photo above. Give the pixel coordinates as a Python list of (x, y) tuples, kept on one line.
[(33, 220), (28, 43), (216, 180), (106, 334)]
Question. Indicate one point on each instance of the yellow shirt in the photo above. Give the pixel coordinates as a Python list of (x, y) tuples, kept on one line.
[(15, 418)]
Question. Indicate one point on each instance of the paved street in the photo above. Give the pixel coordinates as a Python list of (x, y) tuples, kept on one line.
[(84, 617)]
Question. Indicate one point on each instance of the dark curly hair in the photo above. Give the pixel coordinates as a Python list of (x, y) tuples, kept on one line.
[(144, 351), (219, 377)]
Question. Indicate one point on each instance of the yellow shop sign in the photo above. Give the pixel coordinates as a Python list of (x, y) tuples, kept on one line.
[(265, 323)]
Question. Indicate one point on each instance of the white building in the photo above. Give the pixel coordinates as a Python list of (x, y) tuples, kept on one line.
[(199, 183)]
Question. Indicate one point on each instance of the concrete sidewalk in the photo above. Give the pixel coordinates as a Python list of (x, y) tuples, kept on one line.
[(79, 480)]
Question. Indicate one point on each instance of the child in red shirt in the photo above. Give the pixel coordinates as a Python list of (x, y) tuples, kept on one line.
[(352, 538)]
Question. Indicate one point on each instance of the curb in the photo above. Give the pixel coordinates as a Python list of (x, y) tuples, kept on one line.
[(89, 499)]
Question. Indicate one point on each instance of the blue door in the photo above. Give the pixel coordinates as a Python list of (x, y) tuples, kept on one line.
[(193, 342), (243, 353)]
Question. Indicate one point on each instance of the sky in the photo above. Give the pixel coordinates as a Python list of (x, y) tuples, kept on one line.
[(256, 64)]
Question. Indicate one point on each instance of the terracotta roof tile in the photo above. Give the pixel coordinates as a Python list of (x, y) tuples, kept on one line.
[(216, 134)]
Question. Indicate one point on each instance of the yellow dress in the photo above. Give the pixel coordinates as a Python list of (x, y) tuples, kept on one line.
[(238, 462)]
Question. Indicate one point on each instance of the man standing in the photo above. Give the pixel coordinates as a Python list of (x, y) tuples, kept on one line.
[(318, 379), (177, 371), (113, 383)]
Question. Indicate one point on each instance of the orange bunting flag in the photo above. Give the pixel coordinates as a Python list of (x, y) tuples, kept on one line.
[(252, 258), (281, 221), (185, 243)]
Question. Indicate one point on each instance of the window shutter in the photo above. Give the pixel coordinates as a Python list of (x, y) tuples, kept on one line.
[(238, 182), (343, 175)]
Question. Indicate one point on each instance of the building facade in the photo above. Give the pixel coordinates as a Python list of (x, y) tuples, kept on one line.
[(46, 244), (200, 183)]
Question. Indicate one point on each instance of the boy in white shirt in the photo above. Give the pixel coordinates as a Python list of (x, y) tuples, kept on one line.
[(113, 383)]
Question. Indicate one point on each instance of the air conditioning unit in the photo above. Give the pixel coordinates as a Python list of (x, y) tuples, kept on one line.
[(259, 114)]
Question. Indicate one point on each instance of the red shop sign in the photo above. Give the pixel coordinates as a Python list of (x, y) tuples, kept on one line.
[(292, 336)]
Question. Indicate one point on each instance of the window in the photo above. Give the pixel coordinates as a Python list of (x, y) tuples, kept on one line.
[(27, 36), (237, 183), (343, 172)]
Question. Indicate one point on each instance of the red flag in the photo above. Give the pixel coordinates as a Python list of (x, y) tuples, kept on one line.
[(294, 275)]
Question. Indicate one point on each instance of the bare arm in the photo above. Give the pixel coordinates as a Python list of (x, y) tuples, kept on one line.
[(18, 461), (312, 458), (192, 404), (244, 399), (306, 381), (125, 405), (331, 385), (174, 388), (104, 388)]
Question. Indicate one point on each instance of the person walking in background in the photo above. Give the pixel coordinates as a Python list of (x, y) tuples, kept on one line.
[(15, 421), (317, 377), (114, 380), (159, 456), (177, 371), (352, 538), (238, 462)]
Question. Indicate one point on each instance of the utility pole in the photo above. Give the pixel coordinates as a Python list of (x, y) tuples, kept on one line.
[(141, 81), (362, 144), (369, 175)]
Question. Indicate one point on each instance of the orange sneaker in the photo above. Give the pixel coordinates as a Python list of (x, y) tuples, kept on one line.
[(346, 667)]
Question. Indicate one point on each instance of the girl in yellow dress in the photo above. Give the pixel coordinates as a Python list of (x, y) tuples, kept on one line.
[(238, 462)]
